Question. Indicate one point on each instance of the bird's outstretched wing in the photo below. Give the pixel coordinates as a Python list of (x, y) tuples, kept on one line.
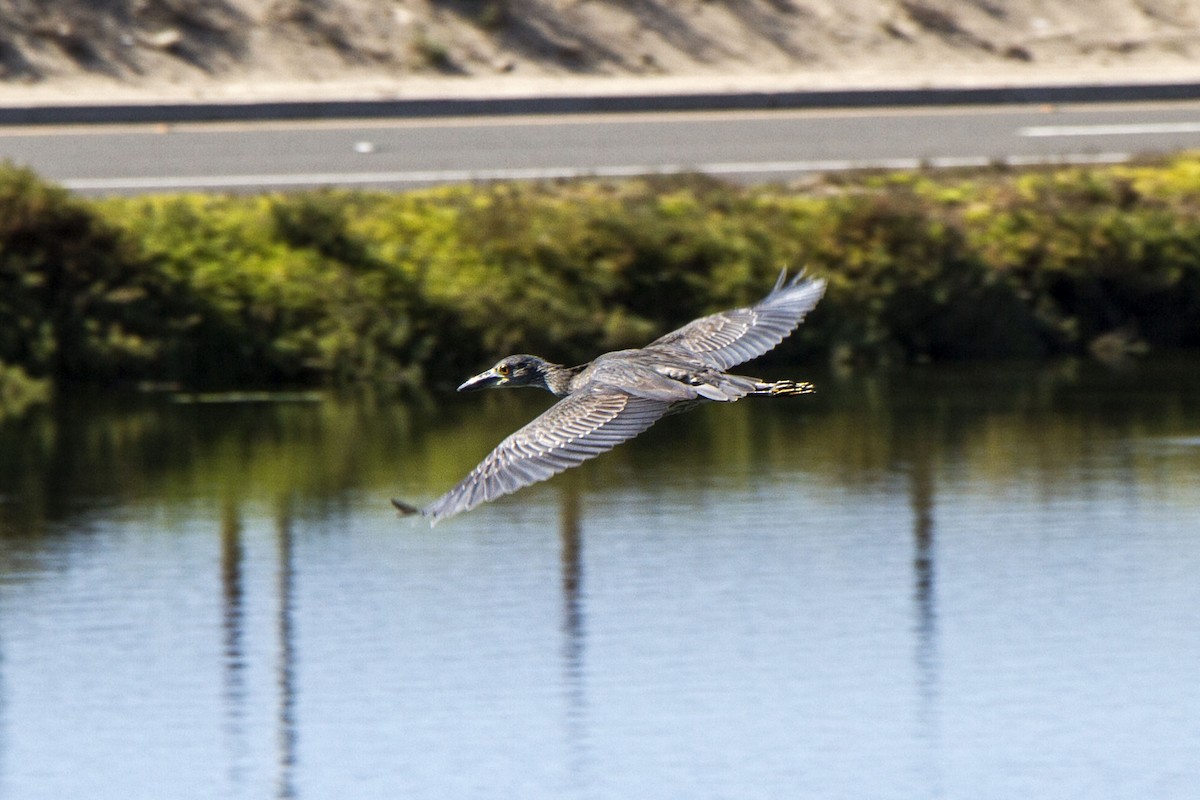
[(576, 428), (731, 337)]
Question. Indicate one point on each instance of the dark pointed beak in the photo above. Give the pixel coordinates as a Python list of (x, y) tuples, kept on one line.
[(483, 380)]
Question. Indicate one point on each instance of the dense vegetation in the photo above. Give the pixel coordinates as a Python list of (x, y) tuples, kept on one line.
[(420, 288)]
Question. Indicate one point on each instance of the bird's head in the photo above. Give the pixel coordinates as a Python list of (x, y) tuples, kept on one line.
[(519, 370)]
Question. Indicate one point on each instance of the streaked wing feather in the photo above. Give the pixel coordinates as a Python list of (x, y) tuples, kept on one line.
[(573, 430), (731, 337)]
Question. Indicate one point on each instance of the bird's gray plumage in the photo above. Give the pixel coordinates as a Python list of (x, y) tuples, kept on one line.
[(729, 338), (621, 394)]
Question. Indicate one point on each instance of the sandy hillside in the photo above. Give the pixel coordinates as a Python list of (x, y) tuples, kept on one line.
[(90, 49)]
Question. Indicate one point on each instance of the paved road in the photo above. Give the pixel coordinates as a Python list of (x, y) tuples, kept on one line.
[(759, 145)]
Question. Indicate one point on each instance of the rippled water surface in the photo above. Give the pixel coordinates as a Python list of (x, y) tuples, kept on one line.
[(963, 582)]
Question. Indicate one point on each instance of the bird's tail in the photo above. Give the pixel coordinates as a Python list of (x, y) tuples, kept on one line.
[(404, 508), (784, 388)]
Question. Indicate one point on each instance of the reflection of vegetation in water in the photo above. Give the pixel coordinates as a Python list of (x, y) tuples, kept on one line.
[(140, 450), (994, 427), (19, 392), (998, 427)]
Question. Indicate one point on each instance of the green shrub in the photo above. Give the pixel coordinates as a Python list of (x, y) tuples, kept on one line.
[(423, 287), (75, 300)]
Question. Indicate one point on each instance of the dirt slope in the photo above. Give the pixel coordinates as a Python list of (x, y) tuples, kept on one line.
[(193, 48)]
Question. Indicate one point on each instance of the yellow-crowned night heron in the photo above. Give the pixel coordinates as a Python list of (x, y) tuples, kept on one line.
[(621, 394)]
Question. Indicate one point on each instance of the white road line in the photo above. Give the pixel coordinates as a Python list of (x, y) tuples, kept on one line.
[(1131, 129), (207, 182)]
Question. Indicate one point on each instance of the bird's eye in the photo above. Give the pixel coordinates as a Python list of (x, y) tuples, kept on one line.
[(502, 370)]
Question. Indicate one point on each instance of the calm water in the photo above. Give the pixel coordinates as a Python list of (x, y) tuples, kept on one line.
[(944, 583)]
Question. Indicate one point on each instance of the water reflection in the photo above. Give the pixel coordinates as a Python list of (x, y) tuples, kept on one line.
[(238, 697), (286, 669), (571, 566), (917, 452), (232, 625), (922, 584), (4, 715)]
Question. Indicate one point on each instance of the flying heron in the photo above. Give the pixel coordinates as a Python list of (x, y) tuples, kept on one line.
[(620, 394)]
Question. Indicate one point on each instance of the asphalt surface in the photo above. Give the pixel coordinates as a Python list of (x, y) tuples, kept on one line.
[(741, 144)]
